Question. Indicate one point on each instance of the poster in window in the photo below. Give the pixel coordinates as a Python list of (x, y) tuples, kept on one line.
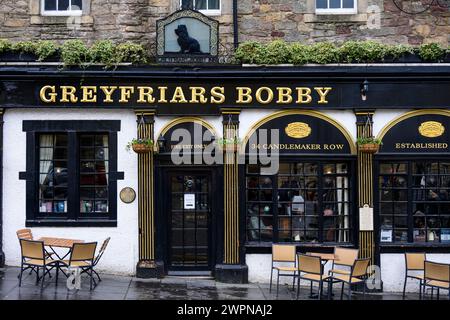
[(386, 235), (445, 235), (189, 201)]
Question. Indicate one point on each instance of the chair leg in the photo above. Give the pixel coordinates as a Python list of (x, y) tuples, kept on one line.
[(20, 275), (278, 281), (404, 287), (270, 287), (298, 285), (92, 278), (364, 290), (437, 296), (420, 289), (98, 276), (43, 278), (330, 288), (319, 295), (342, 291), (37, 275), (349, 291), (293, 280), (310, 289), (432, 293)]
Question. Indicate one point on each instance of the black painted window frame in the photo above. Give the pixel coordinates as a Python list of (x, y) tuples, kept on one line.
[(73, 128)]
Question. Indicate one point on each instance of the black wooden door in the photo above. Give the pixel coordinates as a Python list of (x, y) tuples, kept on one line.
[(190, 206)]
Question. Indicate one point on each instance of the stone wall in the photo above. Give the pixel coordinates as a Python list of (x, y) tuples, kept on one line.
[(262, 20)]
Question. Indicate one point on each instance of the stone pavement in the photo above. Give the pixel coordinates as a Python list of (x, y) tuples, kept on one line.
[(113, 287)]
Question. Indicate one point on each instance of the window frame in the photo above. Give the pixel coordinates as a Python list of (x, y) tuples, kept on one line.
[(60, 13), (398, 247), (321, 11), (209, 12), (73, 129), (353, 217)]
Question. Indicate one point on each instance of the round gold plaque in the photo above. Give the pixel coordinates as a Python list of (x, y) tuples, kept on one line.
[(431, 129), (298, 130), (127, 195)]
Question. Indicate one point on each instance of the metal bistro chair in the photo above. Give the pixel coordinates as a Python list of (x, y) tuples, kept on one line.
[(286, 254), (310, 268), (358, 274), (414, 262), (436, 275), (344, 257), (97, 259), (34, 258), (81, 256)]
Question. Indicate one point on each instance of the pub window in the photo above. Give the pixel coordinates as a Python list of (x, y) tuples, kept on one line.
[(336, 6), (71, 173), (61, 7), (208, 7), (303, 202), (414, 201)]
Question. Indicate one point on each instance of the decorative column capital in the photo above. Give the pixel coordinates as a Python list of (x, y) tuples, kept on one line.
[(230, 116), (145, 115), (363, 116)]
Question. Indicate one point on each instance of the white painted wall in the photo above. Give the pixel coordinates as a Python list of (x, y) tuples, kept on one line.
[(122, 253)]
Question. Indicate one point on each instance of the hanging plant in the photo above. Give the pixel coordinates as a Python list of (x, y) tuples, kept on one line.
[(229, 144), (140, 145), (368, 144)]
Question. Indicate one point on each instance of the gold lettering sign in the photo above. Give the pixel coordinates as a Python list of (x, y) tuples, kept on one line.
[(431, 129), (298, 130)]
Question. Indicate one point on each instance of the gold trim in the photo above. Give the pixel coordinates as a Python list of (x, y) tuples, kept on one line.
[(311, 113), (408, 115), (298, 130), (177, 121)]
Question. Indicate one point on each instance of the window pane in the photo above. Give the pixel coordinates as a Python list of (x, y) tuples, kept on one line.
[(77, 4), (200, 4), (94, 175), (348, 3), (321, 4), (50, 5), (213, 4), (63, 5), (334, 4)]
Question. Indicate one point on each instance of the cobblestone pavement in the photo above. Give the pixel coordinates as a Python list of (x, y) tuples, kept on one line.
[(114, 287)]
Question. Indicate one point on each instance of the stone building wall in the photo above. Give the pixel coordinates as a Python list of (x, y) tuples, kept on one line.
[(262, 20)]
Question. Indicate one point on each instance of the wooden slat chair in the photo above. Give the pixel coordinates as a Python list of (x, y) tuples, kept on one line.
[(358, 274), (436, 275), (82, 256), (284, 254), (97, 258), (414, 262), (310, 268), (34, 257), (344, 257)]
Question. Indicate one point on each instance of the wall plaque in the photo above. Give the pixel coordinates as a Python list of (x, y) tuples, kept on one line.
[(298, 130), (366, 218), (431, 129), (127, 195)]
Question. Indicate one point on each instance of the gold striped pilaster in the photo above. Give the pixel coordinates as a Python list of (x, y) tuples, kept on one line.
[(145, 129), (231, 192), (365, 184)]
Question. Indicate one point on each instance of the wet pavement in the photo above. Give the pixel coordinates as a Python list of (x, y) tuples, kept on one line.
[(113, 287)]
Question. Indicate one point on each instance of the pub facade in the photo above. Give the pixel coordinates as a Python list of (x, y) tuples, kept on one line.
[(198, 204)]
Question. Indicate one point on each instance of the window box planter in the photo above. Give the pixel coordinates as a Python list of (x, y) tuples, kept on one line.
[(17, 57), (229, 145)]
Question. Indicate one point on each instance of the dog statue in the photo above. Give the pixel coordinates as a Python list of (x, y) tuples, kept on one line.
[(186, 43)]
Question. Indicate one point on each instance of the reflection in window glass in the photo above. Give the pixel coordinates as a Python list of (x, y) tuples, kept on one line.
[(288, 206)]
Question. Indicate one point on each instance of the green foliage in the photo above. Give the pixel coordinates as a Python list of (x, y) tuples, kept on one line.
[(24, 47), (250, 52), (45, 49), (131, 52), (299, 54), (104, 52), (398, 51), (277, 52), (368, 140), (74, 53), (5, 45), (146, 141), (323, 52), (362, 52), (229, 141), (431, 52)]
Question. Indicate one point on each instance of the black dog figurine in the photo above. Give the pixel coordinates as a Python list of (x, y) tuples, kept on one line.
[(186, 43)]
